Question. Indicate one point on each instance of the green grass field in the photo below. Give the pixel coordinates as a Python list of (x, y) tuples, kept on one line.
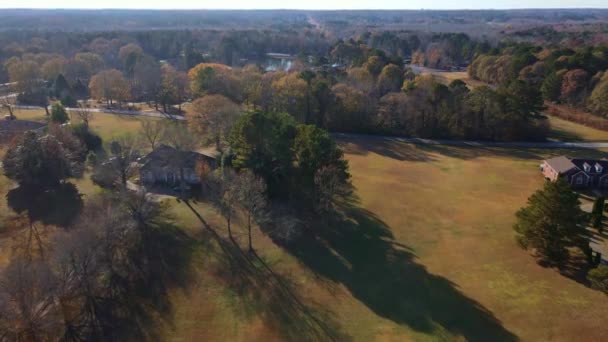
[(425, 252), (106, 125)]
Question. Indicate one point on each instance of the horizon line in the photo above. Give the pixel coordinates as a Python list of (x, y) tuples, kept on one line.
[(296, 9)]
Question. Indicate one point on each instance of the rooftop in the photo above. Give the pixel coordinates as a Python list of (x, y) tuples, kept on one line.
[(166, 156), (561, 164)]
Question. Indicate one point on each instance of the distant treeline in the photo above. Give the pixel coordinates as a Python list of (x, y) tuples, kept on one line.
[(356, 85), (576, 77), (341, 24)]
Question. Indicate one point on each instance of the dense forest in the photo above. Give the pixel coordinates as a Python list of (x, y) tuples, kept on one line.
[(356, 83), (238, 109), (576, 77)]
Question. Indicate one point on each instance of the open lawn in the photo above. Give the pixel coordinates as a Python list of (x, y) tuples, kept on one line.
[(106, 125), (424, 252), (570, 131), (446, 77)]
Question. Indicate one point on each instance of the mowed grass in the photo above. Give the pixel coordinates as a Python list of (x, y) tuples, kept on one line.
[(426, 252), (455, 209), (108, 126), (447, 77), (570, 131)]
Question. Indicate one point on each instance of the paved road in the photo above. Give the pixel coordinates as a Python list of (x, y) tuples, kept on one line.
[(514, 144), (115, 111), (520, 144)]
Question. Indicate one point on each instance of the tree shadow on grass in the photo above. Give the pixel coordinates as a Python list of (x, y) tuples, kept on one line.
[(58, 205), (358, 250), (407, 151), (473, 152), (261, 292), (385, 147), (163, 264)]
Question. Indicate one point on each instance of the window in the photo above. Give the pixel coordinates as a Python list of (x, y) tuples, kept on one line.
[(579, 180), (587, 167)]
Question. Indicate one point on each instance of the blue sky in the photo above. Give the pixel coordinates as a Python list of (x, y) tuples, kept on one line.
[(305, 4)]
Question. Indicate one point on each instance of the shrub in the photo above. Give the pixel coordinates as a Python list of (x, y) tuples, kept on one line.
[(59, 114), (599, 278), (91, 159), (91, 140)]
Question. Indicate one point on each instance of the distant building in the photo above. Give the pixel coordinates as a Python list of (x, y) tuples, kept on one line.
[(163, 165), (579, 173), (279, 61)]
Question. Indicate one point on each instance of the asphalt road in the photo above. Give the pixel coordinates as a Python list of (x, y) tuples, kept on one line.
[(420, 141), (520, 144), (115, 111)]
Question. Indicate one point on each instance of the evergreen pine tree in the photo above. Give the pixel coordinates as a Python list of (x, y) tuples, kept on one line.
[(552, 222)]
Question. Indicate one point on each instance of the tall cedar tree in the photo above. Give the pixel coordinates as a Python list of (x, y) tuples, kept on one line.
[(58, 114), (552, 222)]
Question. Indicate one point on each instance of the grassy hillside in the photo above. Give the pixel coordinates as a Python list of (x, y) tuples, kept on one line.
[(425, 251)]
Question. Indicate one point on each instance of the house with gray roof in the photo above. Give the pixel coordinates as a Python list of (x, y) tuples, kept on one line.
[(164, 165), (579, 173)]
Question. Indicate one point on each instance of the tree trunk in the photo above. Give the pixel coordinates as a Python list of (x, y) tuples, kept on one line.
[(249, 232), (307, 104), (228, 219), (46, 109), (123, 178), (182, 185)]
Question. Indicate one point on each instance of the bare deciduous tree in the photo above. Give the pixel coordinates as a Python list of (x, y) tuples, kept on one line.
[(78, 256), (85, 116), (152, 131), (27, 311), (252, 199), (120, 166), (109, 85), (329, 187), (224, 187), (6, 104), (213, 116)]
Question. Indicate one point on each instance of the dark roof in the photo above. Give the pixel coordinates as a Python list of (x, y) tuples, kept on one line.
[(566, 165), (560, 164), (580, 163), (166, 156)]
